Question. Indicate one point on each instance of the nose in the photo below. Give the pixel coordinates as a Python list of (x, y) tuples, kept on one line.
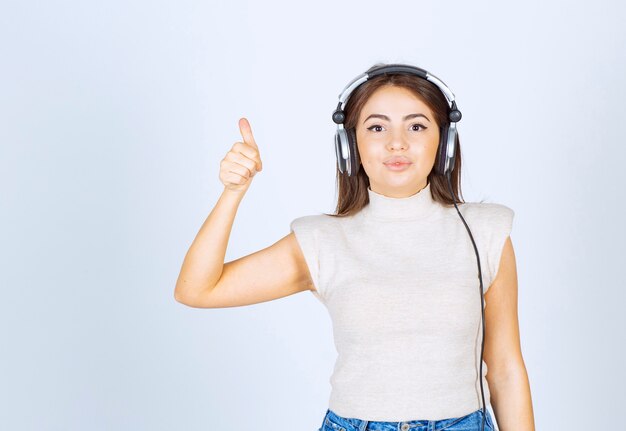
[(397, 142)]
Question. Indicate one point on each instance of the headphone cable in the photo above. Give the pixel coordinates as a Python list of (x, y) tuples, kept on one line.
[(482, 307)]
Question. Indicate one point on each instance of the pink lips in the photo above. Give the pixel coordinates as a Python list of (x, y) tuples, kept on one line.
[(398, 163), (397, 166), (397, 159)]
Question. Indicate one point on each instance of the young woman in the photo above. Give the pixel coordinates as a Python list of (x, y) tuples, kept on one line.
[(405, 269)]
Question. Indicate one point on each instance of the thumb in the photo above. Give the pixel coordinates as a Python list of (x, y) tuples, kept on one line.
[(246, 132)]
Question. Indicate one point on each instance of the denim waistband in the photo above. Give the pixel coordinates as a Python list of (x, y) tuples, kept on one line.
[(471, 421)]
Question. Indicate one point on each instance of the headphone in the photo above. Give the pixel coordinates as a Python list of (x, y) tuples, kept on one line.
[(345, 139), (348, 157)]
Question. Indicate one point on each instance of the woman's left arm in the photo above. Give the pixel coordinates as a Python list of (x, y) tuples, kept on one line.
[(509, 386)]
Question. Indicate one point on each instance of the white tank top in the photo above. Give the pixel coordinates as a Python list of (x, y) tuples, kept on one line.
[(400, 282)]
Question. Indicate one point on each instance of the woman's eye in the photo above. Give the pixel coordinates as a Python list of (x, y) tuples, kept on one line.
[(420, 127)]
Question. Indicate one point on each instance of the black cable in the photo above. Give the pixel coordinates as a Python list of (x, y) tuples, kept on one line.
[(482, 307)]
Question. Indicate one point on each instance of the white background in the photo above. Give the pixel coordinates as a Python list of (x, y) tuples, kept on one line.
[(114, 117)]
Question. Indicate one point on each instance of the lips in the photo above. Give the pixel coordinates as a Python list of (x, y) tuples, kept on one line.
[(397, 159)]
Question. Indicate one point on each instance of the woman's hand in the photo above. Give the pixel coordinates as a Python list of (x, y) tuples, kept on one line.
[(242, 162)]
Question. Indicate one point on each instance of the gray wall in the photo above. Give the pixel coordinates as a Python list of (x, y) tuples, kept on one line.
[(115, 116)]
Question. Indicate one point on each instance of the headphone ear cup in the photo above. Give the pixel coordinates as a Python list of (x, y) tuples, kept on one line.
[(442, 151), (354, 153), (451, 136), (339, 150)]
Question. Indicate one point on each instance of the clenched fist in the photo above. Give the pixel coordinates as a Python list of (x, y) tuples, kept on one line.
[(242, 162)]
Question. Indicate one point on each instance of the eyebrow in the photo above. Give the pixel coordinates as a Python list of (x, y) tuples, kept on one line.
[(407, 117)]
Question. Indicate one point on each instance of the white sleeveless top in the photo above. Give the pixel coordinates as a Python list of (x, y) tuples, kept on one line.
[(400, 282)]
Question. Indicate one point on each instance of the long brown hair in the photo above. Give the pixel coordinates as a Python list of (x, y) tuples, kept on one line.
[(353, 195)]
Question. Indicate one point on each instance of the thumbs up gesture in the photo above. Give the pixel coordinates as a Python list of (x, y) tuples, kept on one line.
[(242, 162)]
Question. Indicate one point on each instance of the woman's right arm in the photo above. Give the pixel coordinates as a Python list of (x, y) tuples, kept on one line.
[(205, 281), (203, 263)]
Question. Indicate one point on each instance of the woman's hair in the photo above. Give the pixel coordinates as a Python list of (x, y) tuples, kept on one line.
[(353, 195)]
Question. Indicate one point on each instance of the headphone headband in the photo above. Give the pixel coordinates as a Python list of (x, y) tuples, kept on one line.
[(393, 68)]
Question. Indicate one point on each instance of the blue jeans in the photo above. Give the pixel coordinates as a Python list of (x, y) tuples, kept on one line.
[(471, 422)]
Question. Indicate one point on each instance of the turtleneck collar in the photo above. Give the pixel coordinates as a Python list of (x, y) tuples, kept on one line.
[(414, 207)]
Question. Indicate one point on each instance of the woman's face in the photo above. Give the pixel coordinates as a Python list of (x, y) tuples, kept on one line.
[(395, 123)]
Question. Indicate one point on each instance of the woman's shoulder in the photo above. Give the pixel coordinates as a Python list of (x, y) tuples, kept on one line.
[(315, 221), (486, 209), (493, 216), (323, 225)]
